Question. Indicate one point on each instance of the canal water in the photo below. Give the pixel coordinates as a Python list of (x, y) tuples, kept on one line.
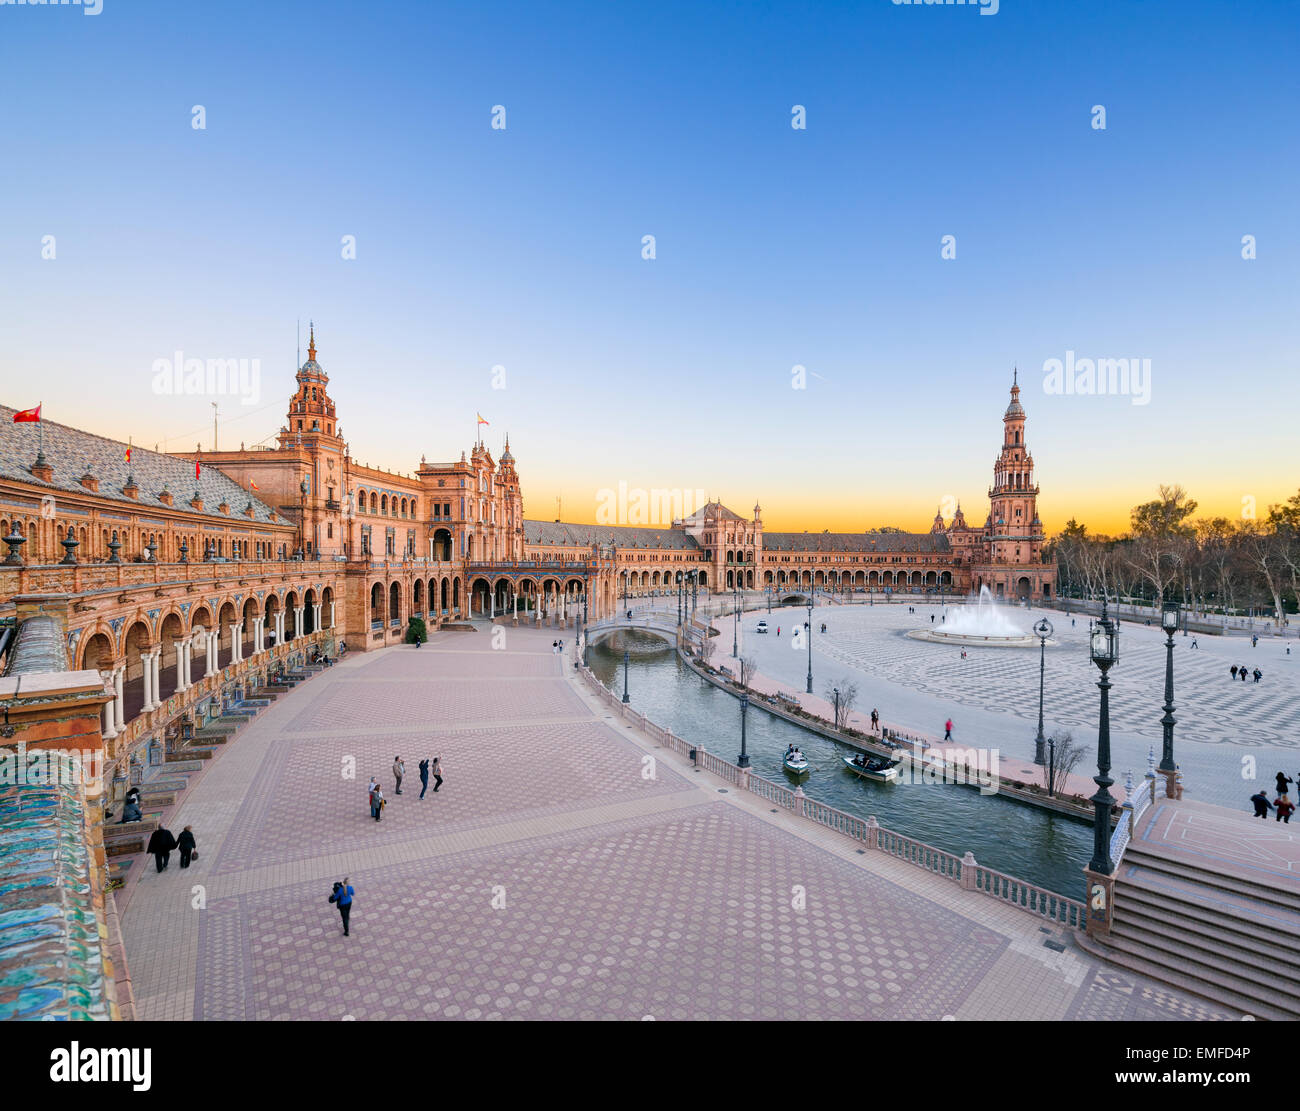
[(1031, 844)]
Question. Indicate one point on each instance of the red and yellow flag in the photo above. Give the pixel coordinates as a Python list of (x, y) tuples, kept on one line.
[(27, 415), (481, 420)]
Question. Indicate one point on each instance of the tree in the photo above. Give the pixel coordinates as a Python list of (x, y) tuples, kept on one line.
[(1160, 530), (748, 668), (843, 703), (416, 631), (1064, 755)]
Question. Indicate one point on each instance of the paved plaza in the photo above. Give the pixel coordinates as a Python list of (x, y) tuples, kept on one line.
[(992, 695), (568, 868)]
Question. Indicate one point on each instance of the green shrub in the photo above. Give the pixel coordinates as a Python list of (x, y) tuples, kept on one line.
[(416, 631)]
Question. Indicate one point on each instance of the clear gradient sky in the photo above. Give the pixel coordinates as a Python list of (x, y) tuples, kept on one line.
[(775, 247)]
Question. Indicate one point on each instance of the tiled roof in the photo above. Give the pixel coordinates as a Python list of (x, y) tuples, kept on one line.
[(713, 511), (855, 542), (72, 453), (623, 536)]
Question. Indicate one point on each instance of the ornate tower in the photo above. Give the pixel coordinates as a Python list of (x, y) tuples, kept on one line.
[(319, 495), (1015, 532)]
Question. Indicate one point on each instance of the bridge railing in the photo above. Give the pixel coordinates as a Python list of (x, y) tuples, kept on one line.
[(966, 871)]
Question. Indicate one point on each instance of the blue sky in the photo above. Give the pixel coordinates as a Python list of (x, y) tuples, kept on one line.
[(775, 247)]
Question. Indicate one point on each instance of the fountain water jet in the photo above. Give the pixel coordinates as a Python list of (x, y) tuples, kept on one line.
[(981, 624)]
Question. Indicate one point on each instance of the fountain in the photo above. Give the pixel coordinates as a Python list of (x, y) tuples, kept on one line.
[(981, 624)]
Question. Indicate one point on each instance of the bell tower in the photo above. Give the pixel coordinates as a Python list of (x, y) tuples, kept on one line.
[(1015, 534)]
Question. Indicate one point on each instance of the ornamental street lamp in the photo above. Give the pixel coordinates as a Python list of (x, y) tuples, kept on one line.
[(735, 624), (626, 656), (1169, 622), (1042, 629), (837, 707), (769, 597), (1103, 647), (680, 579), (812, 597), (743, 760)]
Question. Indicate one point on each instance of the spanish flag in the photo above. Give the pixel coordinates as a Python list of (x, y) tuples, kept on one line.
[(128, 453), (253, 485), (480, 419), (197, 468), (29, 415)]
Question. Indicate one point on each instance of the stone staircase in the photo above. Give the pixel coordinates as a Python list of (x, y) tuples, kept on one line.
[(1225, 936)]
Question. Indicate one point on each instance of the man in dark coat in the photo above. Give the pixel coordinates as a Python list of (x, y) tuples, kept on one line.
[(161, 844), (1262, 805)]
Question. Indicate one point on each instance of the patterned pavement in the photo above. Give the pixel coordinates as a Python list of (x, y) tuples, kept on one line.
[(568, 868), (992, 695)]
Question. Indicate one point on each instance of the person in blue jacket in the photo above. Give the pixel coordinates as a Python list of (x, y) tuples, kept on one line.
[(342, 898)]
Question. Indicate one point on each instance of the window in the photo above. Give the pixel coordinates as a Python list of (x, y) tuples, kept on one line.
[(329, 532)]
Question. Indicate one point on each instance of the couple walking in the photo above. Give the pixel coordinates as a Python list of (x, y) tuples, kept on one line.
[(161, 844), (430, 768)]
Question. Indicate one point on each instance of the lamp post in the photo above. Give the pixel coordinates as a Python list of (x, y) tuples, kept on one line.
[(1169, 614), (1042, 629), (1103, 647), (812, 597), (625, 663), (735, 623), (743, 760), (837, 707)]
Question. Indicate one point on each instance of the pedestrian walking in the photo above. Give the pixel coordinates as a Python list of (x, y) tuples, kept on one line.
[(1285, 808), (399, 770), (875, 720), (161, 843), (1194, 644), (377, 802), (1233, 671), (435, 769), (188, 846), (778, 633), (1282, 780), (424, 776), (1254, 640), (1257, 674), (947, 730), (1262, 805), (342, 898)]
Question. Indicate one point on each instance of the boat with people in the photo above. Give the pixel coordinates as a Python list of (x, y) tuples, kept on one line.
[(873, 767), (795, 761)]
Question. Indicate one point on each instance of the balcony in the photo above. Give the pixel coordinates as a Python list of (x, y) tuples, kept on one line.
[(332, 505)]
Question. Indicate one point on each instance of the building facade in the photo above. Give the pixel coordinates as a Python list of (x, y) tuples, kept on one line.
[(186, 580)]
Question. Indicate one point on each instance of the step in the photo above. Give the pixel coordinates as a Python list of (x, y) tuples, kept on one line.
[(184, 763), (125, 846), (157, 804), (187, 756), (1181, 971), (1215, 993), (116, 831), (156, 786), (1131, 900), (1181, 869), (1192, 955)]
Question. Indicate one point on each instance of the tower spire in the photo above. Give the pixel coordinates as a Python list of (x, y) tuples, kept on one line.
[(311, 343)]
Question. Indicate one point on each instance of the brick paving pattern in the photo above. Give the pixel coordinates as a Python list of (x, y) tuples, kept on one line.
[(558, 874)]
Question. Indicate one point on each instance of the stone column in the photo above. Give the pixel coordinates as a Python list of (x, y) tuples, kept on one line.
[(315, 617), (211, 655), (279, 627), (180, 668), (155, 662), (297, 619), (236, 640), (109, 728), (146, 674), (119, 703), (331, 615)]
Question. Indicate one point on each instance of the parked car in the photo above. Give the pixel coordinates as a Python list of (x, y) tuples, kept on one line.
[(762, 626)]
